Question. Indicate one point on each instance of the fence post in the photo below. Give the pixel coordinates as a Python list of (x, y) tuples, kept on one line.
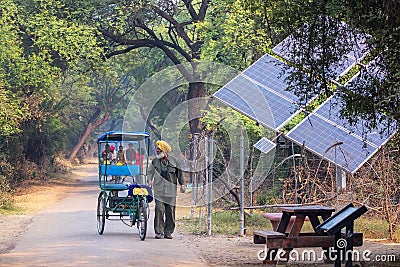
[(242, 218)]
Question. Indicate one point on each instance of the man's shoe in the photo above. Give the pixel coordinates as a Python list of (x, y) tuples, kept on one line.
[(159, 236), (168, 236)]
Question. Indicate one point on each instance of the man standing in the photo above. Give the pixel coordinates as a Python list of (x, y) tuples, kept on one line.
[(164, 174)]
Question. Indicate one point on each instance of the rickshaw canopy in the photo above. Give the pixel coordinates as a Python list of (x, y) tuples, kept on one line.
[(122, 136)]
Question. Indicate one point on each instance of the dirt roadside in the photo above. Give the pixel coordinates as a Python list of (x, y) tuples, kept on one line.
[(216, 250), (30, 200)]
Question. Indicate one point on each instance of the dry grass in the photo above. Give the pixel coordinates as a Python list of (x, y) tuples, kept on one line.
[(39, 198), (35, 195)]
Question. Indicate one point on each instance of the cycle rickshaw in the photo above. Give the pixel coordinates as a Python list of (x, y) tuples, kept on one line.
[(124, 195)]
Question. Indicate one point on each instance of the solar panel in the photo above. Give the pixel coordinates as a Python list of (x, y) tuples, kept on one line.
[(347, 37), (260, 93), (248, 99), (264, 145), (324, 128), (270, 73), (331, 111)]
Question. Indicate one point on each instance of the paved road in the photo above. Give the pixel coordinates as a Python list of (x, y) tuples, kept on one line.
[(66, 235)]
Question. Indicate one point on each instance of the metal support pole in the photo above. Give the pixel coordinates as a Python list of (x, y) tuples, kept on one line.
[(194, 174), (209, 182), (337, 180), (295, 176), (251, 193), (242, 219), (336, 170), (251, 180)]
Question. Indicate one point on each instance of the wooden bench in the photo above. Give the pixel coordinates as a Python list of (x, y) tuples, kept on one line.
[(275, 218), (260, 237), (274, 239)]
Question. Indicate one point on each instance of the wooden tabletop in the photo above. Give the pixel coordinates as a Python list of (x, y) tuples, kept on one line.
[(307, 209)]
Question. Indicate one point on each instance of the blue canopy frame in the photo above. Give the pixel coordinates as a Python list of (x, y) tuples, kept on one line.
[(118, 137), (122, 136)]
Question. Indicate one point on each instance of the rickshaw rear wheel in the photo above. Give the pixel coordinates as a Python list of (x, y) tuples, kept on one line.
[(101, 213), (142, 219)]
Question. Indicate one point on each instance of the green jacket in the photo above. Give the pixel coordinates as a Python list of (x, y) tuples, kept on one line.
[(166, 185)]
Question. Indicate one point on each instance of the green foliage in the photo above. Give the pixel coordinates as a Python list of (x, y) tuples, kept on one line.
[(6, 197), (53, 32), (326, 36), (226, 125), (236, 32), (381, 21), (40, 44), (12, 112), (270, 196)]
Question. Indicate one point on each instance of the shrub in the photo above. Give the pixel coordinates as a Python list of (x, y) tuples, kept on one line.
[(6, 196)]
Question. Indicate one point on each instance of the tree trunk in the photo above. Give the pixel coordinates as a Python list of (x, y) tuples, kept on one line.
[(90, 127), (196, 96)]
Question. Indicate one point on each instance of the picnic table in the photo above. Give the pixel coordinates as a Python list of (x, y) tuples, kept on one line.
[(284, 239), (275, 218), (313, 212)]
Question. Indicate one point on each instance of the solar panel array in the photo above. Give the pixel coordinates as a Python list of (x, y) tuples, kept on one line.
[(264, 145), (358, 50), (260, 93), (326, 134)]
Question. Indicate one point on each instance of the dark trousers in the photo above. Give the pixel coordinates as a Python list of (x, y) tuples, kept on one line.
[(165, 207)]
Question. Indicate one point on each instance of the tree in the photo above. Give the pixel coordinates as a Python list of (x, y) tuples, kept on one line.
[(109, 88), (237, 33), (12, 113), (377, 186), (381, 21), (167, 25), (40, 44)]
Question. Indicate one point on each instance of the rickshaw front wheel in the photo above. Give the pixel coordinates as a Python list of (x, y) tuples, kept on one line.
[(142, 219), (101, 213)]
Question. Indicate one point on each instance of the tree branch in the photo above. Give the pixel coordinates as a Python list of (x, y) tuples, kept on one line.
[(179, 29), (203, 9), (192, 12), (133, 44)]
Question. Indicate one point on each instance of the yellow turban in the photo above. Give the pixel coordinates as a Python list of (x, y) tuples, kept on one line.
[(163, 146)]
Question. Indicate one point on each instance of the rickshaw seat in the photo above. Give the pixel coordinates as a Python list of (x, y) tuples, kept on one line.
[(124, 170), (113, 186), (149, 191)]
